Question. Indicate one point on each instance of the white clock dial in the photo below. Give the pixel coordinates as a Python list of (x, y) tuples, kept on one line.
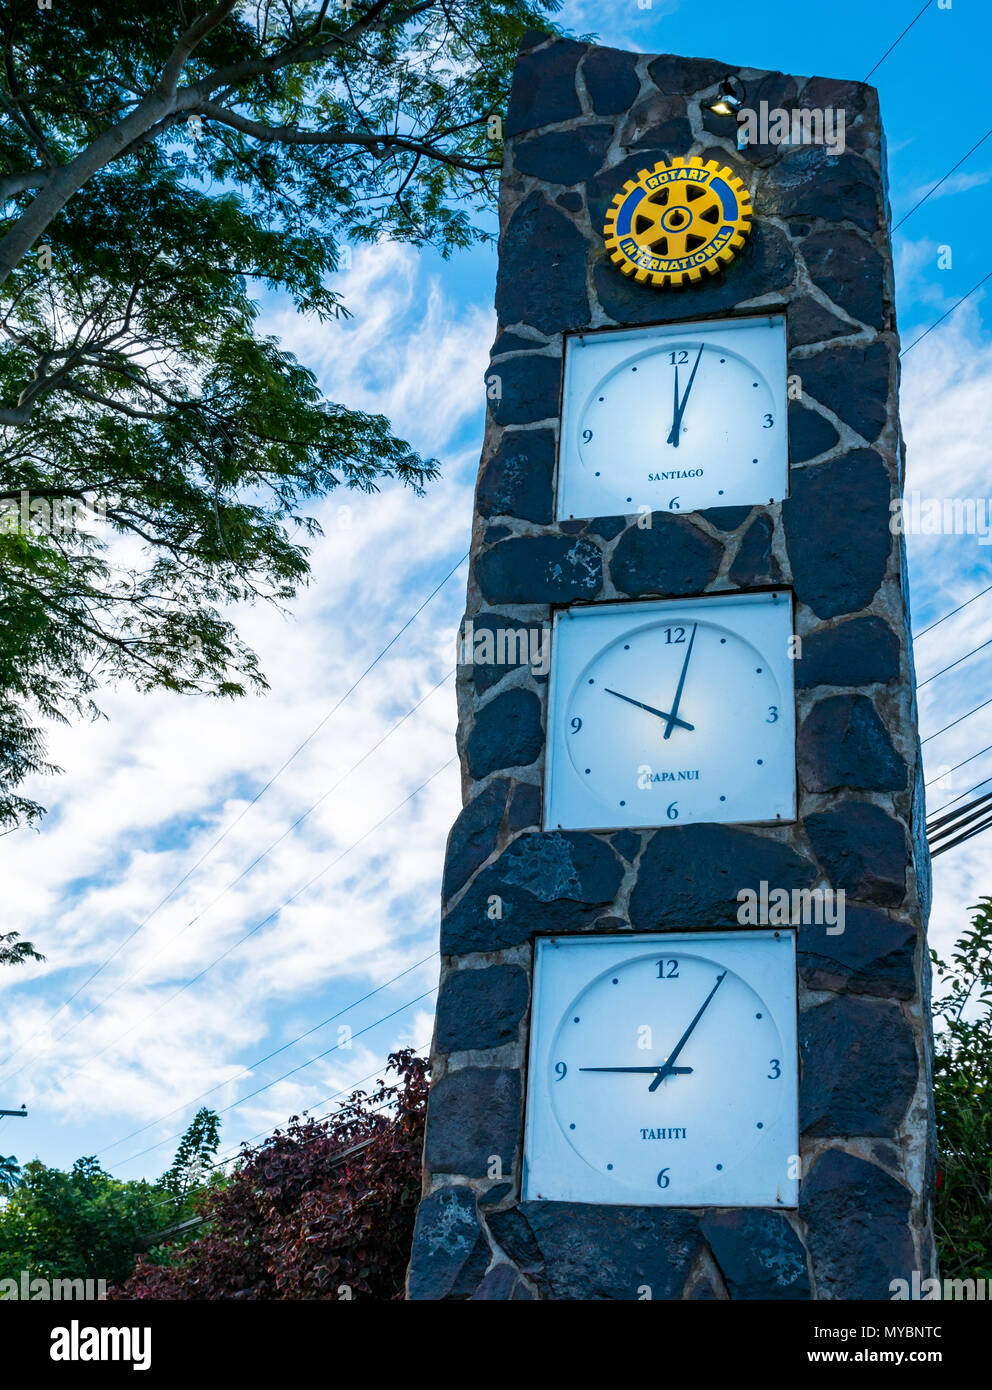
[(671, 712), (674, 418), (663, 1070)]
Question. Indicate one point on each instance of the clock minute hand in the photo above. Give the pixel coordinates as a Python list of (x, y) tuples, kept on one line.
[(673, 433), (672, 718), (650, 708), (673, 438), (673, 1071), (666, 1068)]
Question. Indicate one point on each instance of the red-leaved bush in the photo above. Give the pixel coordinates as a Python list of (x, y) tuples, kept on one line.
[(293, 1223)]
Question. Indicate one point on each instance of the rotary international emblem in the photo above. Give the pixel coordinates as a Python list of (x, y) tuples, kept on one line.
[(676, 221)]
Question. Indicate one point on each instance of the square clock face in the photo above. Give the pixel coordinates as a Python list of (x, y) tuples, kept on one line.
[(663, 1070), (674, 418), (671, 711)]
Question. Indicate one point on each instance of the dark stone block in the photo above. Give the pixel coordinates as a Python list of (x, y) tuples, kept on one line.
[(844, 1090), (481, 1008), (858, 652), (810, 182), (703, 1292), (857, 1219), (628, 842), (838, 569), (473, 836), (525, 807), (872, 955), (496, 533), (689, 875), (809, 322), (514, 1236), (611, 80), (543, 882), (519, 478), (498, 1284), (527, 389), (765, 264), (572, 526), (726, 518), (843, 743), (473, 1117), (606, 527), (495, 1194), (571, 202), (450, 1252), (656, 120), (759, 1254), (850, 272), (853, 382), (754, 562), (507, 733), (685, 76), (540, 569), (603, 1252), (810, 433), (668, 557), (542, 269), (543, 91), (862, 850), (563, 156), (517, 647)]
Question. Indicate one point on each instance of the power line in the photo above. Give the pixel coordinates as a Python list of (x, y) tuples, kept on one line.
[(220, 838), (947, 314), (947, 771), (267, 1058), (968, 835), (945, 825), (980, 647), (953, 169), (244, 872), (292, 1072), (961, 794), (918, 635), (275, 913), (957, 721), (898, 41)]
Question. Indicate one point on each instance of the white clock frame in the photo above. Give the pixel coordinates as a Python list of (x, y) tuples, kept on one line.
[(591, 359), (582, 635), (764, 1175)]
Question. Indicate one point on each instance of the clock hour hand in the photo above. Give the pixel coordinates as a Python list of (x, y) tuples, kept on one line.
[(673, 433), (666, 1069), (672, 1071), (672, 718), (650, 709)]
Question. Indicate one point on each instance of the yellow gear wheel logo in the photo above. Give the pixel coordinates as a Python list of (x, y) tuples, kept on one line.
[(675, 221)]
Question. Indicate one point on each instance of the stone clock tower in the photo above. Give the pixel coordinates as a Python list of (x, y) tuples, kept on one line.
[(682, 1047)]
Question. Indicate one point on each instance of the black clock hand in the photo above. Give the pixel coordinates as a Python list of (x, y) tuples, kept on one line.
[(673, 433), (650, 708), (673, 438), (672, 1071), (672, 720), (666, 1069)]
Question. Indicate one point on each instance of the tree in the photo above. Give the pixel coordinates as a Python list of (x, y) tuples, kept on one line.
[(13, 951), (158, 457), (10, 1173), (963, 1102), (321, 1210), (192, 1167), (86, 1224)]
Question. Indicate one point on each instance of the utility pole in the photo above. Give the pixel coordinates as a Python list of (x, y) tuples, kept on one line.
[(22, 1112)]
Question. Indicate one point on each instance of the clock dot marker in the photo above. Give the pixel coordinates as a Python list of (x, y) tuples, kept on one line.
[(757, 670), (588, 770), (623, 803), (754, 383), (760, 1125), (723, 798), (571, 1126), (610, 1167), (760, 761), (575, 1019), (720, 493), (616, 981), (723, 359), (719, 1167), (597, 473), (759, 1015)]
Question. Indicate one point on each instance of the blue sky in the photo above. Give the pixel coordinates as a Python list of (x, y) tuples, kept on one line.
[(148, 792)]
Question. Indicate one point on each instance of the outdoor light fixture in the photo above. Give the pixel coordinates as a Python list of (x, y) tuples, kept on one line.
[(731, 97)]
